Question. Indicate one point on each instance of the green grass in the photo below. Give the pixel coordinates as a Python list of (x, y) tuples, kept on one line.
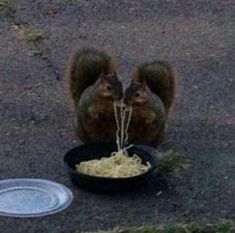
[(223, 226), (31, 35), (5, 6), (28, 34), (173, 163)]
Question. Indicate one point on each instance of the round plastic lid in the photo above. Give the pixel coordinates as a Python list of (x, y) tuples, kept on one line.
[(32, 197)]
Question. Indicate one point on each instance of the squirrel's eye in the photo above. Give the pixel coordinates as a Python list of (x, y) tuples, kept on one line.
[(137, 94), (108, 88)]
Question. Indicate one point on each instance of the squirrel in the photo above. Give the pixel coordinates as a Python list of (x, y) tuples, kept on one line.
[(151, 95), (94, 86)]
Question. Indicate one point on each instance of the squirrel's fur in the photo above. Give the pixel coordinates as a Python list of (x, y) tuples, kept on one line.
[(151, 95), (94, 86)]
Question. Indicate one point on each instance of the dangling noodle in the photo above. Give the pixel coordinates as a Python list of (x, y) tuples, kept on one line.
[(122, 134), (119, 164)]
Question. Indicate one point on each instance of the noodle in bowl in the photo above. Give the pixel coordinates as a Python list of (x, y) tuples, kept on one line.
[(118, 165)]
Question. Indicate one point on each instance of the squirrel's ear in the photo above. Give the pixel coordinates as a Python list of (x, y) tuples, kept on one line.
[(115, 74), (143, 85), (101, 79)]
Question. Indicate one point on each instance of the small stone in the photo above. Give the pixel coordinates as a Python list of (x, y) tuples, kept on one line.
[(8, 134), (159, 193), (132, 9), (15, 27), (51, 12), (34, 53), (21, 141)]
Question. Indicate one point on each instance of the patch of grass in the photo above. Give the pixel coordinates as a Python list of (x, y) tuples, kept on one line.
[(32, 35), (28, 34), (223, 226), (173, 163), (5, 6)]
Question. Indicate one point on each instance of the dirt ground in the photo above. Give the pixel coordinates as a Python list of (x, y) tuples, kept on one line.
[(37, 123)]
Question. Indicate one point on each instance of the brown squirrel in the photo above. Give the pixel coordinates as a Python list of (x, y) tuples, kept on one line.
[(94, 86), (151, 94)]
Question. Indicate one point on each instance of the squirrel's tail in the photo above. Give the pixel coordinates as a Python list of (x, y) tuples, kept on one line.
[(84, 68), (161, 80)]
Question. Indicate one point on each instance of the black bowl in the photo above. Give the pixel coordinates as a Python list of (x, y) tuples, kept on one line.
[(95, 183)]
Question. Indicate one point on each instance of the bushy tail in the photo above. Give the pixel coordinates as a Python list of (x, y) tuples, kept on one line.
[(161, 80), (84, 68)]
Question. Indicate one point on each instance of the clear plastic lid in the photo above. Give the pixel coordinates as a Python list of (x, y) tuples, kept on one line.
[(32, 197)]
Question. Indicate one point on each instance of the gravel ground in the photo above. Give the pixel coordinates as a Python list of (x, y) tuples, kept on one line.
[(36, 119)]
